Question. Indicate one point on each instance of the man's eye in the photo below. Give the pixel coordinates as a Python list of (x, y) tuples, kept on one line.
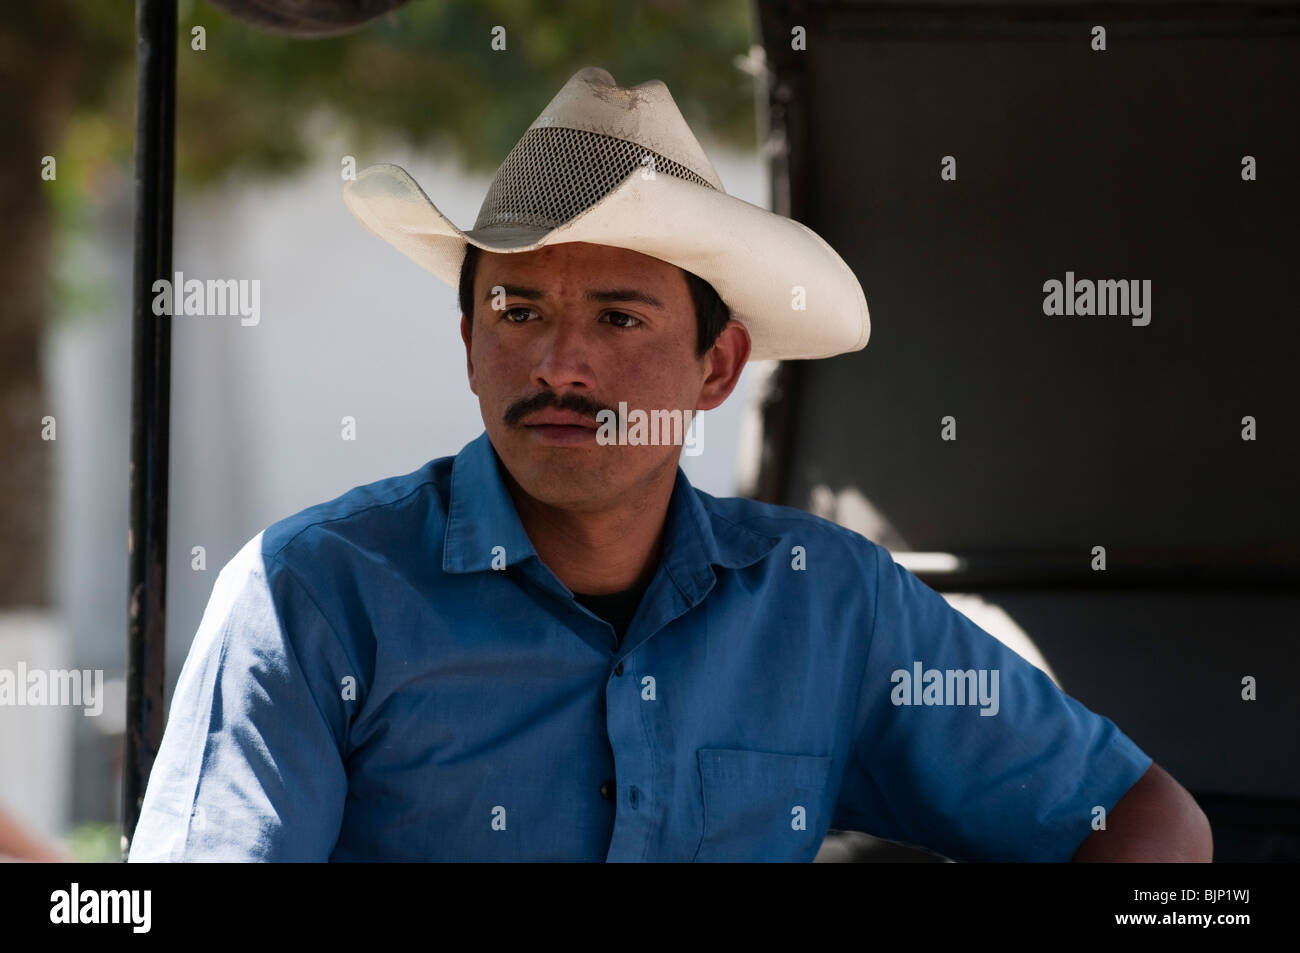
[(614, 315), (509, 311)]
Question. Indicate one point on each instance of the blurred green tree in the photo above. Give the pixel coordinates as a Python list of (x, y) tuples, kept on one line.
[(427, 72)]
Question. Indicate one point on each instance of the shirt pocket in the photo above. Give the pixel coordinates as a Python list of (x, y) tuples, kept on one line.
[(760, 806)]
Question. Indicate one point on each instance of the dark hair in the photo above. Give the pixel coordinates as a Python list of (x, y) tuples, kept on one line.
[(711, 314)]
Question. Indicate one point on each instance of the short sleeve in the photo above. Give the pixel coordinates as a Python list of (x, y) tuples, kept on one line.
[(963, 747), (250, 765)]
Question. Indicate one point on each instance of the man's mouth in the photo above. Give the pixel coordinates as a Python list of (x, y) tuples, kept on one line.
[(559, 418), (561, 427), (562, 434)]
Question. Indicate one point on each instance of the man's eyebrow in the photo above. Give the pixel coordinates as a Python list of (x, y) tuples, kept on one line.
[(608, 295), (515, 291), (625, 294)]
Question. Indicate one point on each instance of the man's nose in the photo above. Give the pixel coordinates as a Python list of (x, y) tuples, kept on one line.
[(563, 361)]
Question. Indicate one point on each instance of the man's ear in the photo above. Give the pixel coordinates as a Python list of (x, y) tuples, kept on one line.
[(725, 360), (469, 364)]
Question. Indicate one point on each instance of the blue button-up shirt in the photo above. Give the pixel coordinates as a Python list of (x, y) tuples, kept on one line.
[(396, 675)]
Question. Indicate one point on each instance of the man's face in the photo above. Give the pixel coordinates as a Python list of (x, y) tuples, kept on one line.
[(572, 338)]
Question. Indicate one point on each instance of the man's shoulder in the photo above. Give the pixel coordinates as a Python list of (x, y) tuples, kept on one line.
[(393, 513), (786, 524)]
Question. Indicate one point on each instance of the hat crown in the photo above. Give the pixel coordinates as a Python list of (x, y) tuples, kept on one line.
[(588, 139)]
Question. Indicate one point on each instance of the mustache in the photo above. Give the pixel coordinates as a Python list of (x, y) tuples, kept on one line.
[(577, 403)]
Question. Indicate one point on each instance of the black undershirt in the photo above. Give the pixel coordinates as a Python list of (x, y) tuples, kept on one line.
[(616, 608)]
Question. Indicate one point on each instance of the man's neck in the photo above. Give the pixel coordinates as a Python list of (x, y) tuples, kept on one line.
[(598, 552)]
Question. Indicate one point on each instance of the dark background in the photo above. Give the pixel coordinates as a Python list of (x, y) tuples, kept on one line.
[(1073, 431)]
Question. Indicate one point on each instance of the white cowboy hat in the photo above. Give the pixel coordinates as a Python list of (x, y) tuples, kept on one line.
[(614, 166)]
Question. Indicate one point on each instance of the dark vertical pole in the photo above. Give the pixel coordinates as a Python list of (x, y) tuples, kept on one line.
[(155, 50)]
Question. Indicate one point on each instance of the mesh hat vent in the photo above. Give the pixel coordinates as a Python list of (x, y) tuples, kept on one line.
[(553, 174)]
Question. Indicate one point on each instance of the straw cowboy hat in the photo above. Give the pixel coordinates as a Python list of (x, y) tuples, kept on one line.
[(615, 166)]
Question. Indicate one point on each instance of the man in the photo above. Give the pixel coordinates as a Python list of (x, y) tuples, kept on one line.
[(552, 647)]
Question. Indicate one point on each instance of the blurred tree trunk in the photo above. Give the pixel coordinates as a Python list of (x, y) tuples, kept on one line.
[(37, 40)]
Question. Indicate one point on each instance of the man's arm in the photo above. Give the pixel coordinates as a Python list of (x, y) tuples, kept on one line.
[(250, 766), (1020, 779), (1156, 821), (17, 844)]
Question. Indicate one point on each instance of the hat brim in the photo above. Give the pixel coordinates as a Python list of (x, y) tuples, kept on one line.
[(795, 295)]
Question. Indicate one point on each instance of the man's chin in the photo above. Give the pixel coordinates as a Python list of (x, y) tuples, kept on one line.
[(571, 495), (558, 476)]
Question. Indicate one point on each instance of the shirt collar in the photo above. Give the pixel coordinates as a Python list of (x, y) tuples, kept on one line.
[(481, 515)]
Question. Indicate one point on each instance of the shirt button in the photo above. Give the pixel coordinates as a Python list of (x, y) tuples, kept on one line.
[(607, 790), (618, 669)]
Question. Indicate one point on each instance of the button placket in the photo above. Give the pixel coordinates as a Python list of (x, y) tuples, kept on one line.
[(635, 759)]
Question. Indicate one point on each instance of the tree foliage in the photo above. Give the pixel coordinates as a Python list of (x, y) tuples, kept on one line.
[(426, 72)]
